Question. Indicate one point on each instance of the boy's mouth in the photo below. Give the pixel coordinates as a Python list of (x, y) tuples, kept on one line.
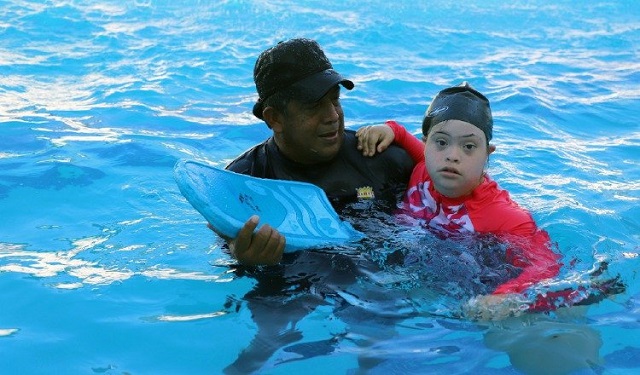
[(448, 170)]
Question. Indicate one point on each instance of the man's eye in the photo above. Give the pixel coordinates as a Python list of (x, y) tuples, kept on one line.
[(312, 105)]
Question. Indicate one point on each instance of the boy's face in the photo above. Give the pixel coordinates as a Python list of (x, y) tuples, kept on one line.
[(312, 132), (455, 154)]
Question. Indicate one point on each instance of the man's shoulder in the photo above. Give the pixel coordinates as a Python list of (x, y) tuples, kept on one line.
[(393, 153), (251, 162), (391, 168)]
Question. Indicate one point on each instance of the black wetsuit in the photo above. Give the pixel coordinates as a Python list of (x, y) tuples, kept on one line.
[(286, 293), (345, 179)]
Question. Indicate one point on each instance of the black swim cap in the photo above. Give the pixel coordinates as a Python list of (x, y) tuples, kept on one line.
[(463, 103), (299, 64)]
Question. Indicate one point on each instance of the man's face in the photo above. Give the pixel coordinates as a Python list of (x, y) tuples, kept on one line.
[(312, 132)]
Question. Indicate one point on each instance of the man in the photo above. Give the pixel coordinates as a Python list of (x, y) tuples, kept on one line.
[(299, 99)]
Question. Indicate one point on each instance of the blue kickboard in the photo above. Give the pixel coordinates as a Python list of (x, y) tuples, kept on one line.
[(300, 211)]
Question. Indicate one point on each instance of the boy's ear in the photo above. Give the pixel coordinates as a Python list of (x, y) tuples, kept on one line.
[(491, 149), (273, 118)]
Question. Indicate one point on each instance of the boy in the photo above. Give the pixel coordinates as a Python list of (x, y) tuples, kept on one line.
[(449, 191)]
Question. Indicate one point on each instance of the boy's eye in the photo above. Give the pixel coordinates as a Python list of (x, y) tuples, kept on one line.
[(469, 146), (441, 142)]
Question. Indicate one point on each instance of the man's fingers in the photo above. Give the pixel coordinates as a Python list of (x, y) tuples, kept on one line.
[(244, 238), (273, 248), (260, 239)]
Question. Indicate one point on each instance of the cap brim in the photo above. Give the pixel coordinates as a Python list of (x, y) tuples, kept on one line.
[(257, 109), (314, 87)]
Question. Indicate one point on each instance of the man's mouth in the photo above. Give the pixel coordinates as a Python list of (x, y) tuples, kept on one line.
[(329, 135)]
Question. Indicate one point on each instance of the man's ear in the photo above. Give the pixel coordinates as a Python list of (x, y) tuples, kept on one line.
[(273, 118)]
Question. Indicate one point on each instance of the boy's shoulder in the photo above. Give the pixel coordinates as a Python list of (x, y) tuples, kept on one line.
[(495, 211)]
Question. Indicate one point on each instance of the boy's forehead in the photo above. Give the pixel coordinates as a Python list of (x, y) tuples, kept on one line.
[(457, 128)]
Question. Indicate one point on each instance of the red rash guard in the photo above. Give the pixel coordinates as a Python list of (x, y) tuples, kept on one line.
[(488, 209)]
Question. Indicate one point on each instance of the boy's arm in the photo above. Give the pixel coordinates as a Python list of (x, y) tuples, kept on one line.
[(536, 258), (529, 248), (538, 262), (406, 140), (376, 138)]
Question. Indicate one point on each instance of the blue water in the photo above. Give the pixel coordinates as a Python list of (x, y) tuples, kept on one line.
[(106, 269)]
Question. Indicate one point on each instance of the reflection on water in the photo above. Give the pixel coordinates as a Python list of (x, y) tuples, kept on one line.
[(410, 277), (65, 269), (542, 346), (105, 267)]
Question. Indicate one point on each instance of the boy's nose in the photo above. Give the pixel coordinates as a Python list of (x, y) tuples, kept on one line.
[(452, 155)]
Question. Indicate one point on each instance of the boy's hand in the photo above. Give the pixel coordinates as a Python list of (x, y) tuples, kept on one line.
[(374, 138), (494, 307)]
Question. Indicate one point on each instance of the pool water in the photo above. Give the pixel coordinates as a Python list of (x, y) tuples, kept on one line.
[(105, 268)]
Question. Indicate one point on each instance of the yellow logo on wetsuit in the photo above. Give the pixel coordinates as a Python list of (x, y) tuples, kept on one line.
[(365, 192)]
